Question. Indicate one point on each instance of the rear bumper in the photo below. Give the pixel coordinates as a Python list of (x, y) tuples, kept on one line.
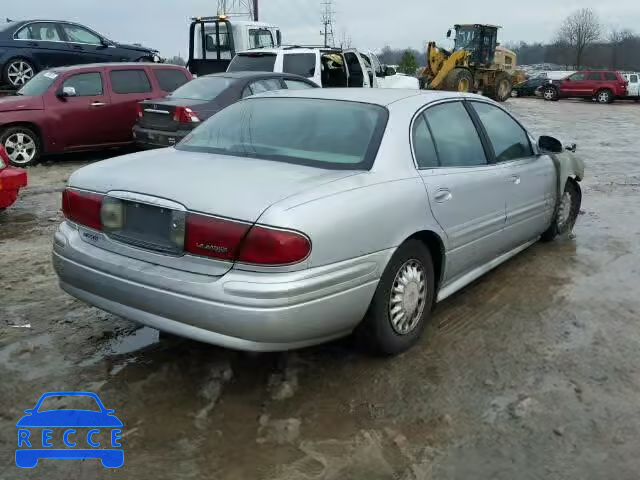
[(149, 138), (239, 310), (12, 179)]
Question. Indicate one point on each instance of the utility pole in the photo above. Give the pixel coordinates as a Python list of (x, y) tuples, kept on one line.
[(327, 23)]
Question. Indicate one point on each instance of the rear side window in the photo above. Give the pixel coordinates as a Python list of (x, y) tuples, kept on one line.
[(456, 138), (129, 81), (423, 145), (39, 31), (85, 84), (253, 62), (169, 78), (303, 64), (508, 138), (633, 79), (260, 86), (296, 84), (597, 76), (610, 76)]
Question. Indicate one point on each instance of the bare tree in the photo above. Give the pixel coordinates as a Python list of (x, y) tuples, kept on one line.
[(578, 31), (617, 37)]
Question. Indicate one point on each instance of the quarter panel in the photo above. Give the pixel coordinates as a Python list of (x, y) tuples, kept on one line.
[(361, 217)]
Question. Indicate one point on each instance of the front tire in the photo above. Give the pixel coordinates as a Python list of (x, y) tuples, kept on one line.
[(18, 71), (402, 303), (567, 213), (459, 80), (22, 145), (501, 90)]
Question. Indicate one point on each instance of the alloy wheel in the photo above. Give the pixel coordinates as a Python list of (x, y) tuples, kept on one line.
[(21, 148), (408, 297), (603, 97), (549, 94), (19, 72)]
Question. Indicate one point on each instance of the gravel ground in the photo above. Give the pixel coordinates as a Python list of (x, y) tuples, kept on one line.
[(531, 372)]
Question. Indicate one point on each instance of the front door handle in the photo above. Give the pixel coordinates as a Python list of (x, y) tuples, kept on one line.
[(515, 179), (77, 47), (98, 104), (443, 195)]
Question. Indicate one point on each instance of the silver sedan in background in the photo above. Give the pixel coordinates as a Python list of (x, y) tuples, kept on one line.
[(297, 217)]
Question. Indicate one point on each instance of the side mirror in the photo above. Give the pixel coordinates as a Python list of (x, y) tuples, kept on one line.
[(29, 410), (449, 33), (67, 92), (390, 71), (572, 148), (550, 144)]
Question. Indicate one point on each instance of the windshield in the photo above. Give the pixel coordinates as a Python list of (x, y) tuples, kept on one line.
[(69, 402), (465, 37), (314, 132), (203, 88), (253, 62), (38, 84)]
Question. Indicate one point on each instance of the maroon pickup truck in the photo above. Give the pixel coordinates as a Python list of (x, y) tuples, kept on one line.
[(83, 107)]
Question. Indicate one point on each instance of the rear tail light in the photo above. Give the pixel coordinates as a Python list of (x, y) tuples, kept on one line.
[(4, 158), (185, 115), (236, 241), (83, 208), (139, 110), (269, 246)]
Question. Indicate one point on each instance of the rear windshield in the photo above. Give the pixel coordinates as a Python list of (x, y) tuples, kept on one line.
[(38, 84), (253, 62), (203, 88), (315, 132)]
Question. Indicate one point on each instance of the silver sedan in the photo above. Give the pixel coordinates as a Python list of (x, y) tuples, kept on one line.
[(297, 217)]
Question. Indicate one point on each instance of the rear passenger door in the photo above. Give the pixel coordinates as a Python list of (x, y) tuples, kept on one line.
[(356, 69), (128, 87), (467, 194), (530, 179), (44, 41), (593, 83)]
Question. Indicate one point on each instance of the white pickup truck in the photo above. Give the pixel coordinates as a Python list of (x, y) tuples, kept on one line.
[(327, 67)]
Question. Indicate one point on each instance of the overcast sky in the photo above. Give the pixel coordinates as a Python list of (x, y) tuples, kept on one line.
[(371, 24)]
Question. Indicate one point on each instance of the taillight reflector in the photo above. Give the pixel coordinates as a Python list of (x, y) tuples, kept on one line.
[(4, 158), (139, 110), (82, 208), (185, 115), (269, 246), (214, 237)]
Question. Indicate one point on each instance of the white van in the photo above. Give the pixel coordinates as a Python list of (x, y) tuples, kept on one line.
[(327, 67), (633, 87)]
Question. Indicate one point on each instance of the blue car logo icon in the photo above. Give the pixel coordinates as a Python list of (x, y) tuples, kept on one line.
[(36, 433)]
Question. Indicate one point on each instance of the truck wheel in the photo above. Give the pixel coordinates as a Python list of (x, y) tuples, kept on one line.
[(567, 213), (501, 90), (402, 303), (22, 145), (604, 96), (459, 80), (550, 94), (18, 71)]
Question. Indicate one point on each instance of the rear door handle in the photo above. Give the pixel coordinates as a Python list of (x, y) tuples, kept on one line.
[(77, 47), (98, 104), (443, 195)]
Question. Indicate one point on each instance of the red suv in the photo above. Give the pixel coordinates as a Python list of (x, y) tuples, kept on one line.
[(603, 86), (81, 107)]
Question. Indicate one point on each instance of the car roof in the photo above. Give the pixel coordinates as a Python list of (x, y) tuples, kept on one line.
[(114, 64), (290, 49), (254, 74), (376, 96)]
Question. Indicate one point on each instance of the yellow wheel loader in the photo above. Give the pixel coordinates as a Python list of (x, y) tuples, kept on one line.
[(476, 63)]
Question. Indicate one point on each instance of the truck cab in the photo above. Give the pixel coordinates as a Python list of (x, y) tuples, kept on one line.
[(214, 41)]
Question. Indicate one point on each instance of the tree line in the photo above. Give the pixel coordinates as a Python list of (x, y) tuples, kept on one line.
[(581, 41)]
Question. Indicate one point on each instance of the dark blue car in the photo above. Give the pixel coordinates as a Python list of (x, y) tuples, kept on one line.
[(65, 423), (29, 46)]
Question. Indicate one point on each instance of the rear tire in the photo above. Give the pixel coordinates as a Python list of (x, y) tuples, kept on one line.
[(402, 303), (567, 213), (604, 96), (18, 71), (550, 94), (459, 80)]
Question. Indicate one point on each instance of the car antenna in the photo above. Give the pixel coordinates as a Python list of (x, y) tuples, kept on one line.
[(9, 20)]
